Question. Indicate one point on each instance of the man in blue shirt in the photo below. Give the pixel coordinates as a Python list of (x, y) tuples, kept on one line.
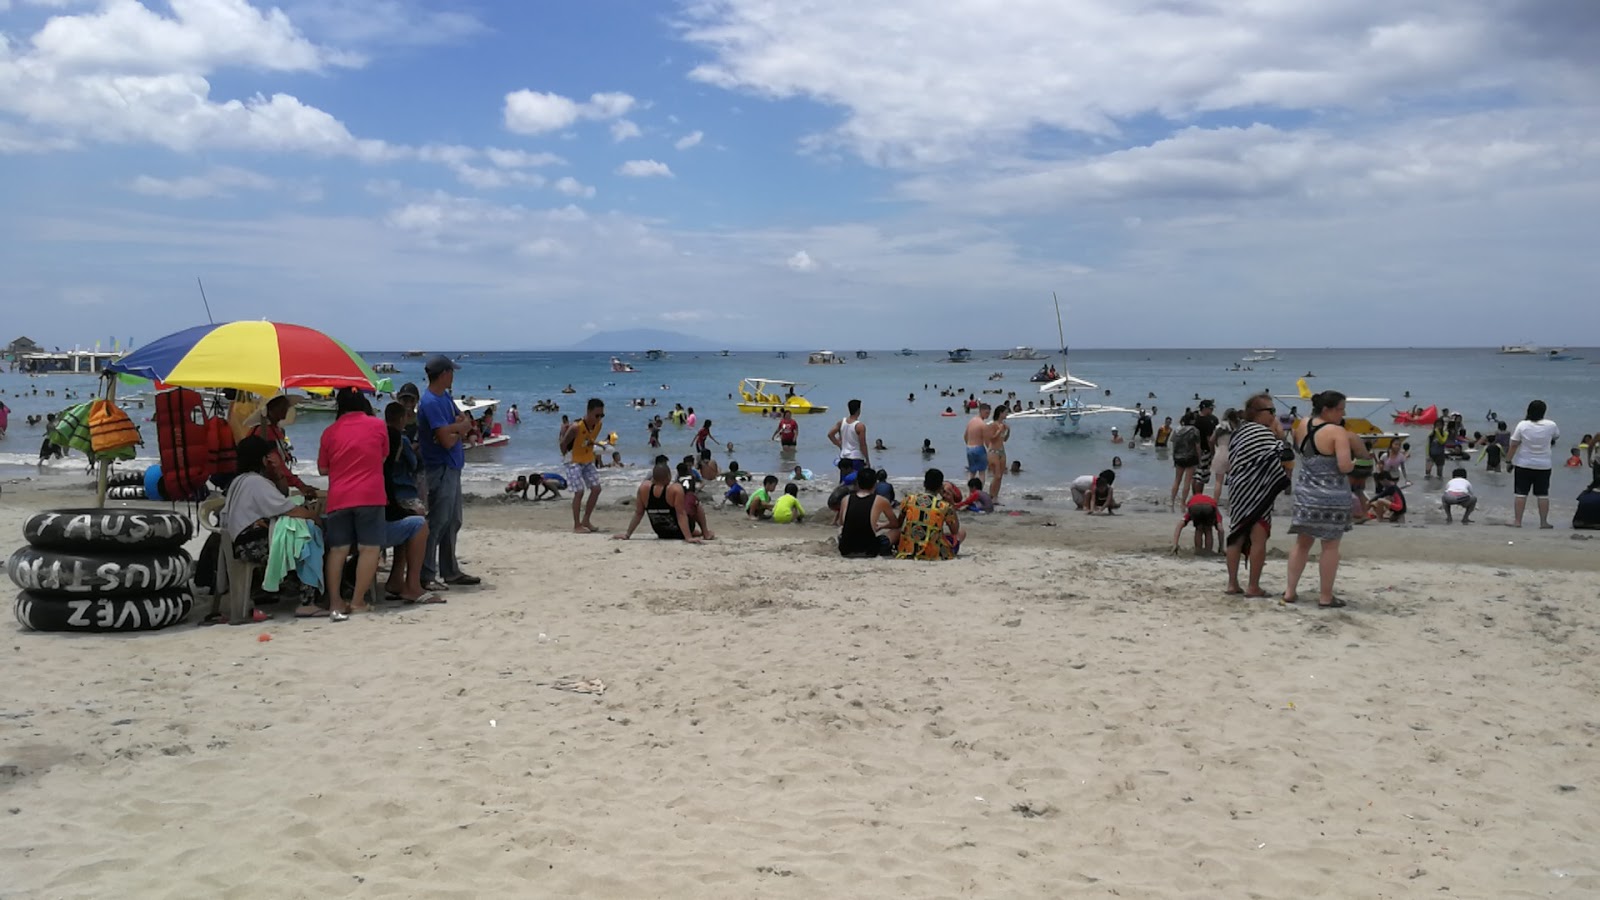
[(440, 427)]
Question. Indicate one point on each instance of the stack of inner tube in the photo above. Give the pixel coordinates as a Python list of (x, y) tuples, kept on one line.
[(97, 570)]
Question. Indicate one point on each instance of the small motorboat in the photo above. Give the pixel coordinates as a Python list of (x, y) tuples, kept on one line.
[(618, 365), (770, 395), (824, 358)]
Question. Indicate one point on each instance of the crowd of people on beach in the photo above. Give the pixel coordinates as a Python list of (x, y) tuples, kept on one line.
[(394, 482)]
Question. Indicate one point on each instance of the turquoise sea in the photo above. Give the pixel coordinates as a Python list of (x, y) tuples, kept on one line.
[(1473, 380)]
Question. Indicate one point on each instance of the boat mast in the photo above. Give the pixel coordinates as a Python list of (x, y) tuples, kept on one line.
[(1061, 336)]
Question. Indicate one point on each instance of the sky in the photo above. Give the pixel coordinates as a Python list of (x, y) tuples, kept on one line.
[(793, 173)]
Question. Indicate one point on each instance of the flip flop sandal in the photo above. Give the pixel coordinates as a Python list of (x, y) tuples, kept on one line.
[(427, 597), (1336, 604), (338, 617), (318, 614)]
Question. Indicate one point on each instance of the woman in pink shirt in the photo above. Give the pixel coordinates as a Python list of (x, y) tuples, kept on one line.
[(351, 454)]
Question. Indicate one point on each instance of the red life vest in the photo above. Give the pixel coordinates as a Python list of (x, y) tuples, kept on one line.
[(185, 448)]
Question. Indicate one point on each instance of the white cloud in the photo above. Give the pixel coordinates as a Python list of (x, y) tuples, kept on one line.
[(608, 105), (534, 112), (124, 74), (199, 36), (691, 139), (521, 159), (801, 261), (970, 82), (644, 168), (404, 23), (623, 129), (572, 187), (221, 181)]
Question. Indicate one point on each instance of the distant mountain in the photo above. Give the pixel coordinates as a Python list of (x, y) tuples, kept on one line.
[(634, 339)]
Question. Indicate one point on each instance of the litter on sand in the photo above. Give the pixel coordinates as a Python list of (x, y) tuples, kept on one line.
[(586, 686)]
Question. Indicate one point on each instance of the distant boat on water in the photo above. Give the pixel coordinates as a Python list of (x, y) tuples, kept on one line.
[(654, 355), (1518, 349), (415, 353), (960, 354), (907, 351), (1024, 353)]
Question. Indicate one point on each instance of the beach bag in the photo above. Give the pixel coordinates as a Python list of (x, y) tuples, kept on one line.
[(185, 451), (71, 431), (110, 429)]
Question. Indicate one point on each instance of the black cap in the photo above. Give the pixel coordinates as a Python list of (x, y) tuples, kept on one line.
[(409, 389), (439, 363)]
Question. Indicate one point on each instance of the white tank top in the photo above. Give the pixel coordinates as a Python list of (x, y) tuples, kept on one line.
[(849, 441)]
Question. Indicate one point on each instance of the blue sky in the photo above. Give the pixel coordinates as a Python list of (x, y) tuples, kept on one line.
[(926, 172)]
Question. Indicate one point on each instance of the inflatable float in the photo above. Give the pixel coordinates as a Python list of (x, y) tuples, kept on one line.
[(1425, 417)]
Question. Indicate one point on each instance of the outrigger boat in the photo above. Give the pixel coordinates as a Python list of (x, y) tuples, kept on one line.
[(960, 354), (770, 395), (1074, 409), (385, 368), (824, 358)]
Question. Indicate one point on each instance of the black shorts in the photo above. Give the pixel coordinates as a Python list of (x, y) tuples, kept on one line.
[(1185, 462), (362, 526), (1203, 518), (1536, 481)]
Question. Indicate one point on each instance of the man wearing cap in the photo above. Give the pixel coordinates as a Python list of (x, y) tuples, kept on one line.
[(1205, 422), (440, 428)]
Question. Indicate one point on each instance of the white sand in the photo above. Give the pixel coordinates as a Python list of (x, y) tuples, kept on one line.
[(1038, 719)]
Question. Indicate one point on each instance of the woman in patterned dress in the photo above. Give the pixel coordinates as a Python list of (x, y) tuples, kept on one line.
[(1321, 494)]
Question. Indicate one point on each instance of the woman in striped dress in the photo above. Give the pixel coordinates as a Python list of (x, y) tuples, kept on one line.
[(1321, 494), (1256, 477)]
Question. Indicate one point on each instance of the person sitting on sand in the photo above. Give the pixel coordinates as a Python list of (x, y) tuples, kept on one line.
[(977, 499), (928, 524), (675, 514), (709, 470), (1458, 492), (1093, 493), (1587, 515), (735, 495), (788, 508), (885, 489), (867, 526), (1388, 503), (761, 501), (1201, 511)]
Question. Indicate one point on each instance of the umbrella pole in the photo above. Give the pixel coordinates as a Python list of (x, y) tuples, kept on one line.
[(105, 464)]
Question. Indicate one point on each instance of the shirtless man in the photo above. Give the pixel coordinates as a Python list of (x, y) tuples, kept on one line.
[(977, 440), (996, 436)]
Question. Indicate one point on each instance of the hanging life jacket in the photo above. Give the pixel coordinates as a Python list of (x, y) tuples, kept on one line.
[(185, 450), (110, 429), (222, 451), (71, 431)]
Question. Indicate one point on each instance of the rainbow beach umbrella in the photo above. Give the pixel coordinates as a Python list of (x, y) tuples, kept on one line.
[(260, 357)]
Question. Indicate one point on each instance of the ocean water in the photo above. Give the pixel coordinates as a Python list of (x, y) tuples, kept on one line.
[(1474, 381)]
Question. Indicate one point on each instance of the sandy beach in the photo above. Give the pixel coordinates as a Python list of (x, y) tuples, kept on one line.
[(1068, 710)]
